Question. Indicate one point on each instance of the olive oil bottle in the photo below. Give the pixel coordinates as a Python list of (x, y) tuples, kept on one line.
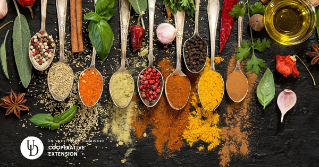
[(289, 21)]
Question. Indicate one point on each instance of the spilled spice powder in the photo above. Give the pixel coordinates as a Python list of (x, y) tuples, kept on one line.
[(168, 124), (202, 123), (235, 139)]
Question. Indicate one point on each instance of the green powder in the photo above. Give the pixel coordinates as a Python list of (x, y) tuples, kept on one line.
[(122, 87)]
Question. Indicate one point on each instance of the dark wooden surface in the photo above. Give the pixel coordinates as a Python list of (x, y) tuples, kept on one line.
[(294, 142)]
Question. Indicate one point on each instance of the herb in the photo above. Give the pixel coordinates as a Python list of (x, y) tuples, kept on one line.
[(266, 88), (14, 104), (47, 121), (100, 32), (317, 23), (254, 64), (182, 5), (139, 6), (3, 56), (21, 37)]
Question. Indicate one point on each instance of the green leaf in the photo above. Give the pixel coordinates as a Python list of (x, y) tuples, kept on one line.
[(246, 45), (101, 36), (317, 23), (262, 46), (257, 8), (102, 5), (3, 56), (68, 115), (21, 37), (266, 89), (43, 120), (237, 10), (54, 126), (138, 5), (56, 119), (254, 64), (107, 14), (92, 16), (182, 5), (243, 53)]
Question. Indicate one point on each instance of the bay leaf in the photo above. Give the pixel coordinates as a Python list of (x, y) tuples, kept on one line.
[(266, 89), (21, 37), (3, 56), (138, 5)]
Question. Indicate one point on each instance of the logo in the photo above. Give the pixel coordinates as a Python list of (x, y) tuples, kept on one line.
[(31, 147)]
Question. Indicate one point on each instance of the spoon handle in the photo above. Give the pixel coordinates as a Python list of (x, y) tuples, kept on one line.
[(240, 36), (213, 13), (196, 17), (124, 6), (43, 13), (61, 6), (151, 8), (94, 51), (179, 23)]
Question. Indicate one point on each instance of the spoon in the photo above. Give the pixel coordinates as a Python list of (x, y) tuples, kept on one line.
[(237, 68), (151, 8), (124, 18), (213, 13), (46, 64), (61, 10), (92, 67), (195, 34), (179, 22)]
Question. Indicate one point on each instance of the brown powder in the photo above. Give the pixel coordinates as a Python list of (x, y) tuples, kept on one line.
[(177, 90), (233, 135), (236, 86)]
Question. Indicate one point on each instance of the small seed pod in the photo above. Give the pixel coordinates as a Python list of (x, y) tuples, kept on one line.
[(256, 22)]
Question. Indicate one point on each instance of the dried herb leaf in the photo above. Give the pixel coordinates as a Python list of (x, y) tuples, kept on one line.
[(3, 56)]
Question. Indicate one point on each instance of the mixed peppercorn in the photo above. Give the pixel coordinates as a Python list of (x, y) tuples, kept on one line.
[(42, 47), (150, 83), (195, 53)]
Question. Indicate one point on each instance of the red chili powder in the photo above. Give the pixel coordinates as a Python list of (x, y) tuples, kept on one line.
[(90, 86)]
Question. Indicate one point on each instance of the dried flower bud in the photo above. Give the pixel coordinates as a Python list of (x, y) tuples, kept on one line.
[(3, 8)]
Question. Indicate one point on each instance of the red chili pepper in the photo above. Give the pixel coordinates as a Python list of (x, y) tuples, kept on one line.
[(28, 4), (227, 22), (286, 66), (137, 34)]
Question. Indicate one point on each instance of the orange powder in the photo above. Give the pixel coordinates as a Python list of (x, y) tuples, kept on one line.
[(90, 86)]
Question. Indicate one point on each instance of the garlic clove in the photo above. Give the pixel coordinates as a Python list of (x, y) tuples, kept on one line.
[(166, 33), (285, 101), (3, 8)]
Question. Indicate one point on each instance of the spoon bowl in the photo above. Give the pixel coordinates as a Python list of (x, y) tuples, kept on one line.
[(124, 18), (61, 10), (195, 34), (47, 63), (213, 13)]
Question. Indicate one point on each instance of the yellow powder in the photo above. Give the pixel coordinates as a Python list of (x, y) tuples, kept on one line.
[(202, 123), (218, 60), (200, 148)]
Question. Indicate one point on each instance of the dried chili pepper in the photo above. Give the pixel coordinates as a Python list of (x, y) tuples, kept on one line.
[(137, 34), (28, 4), (286, 65), (227, 22)]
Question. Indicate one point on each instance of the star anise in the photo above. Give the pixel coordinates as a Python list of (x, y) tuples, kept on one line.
[(14, 103), (314, 55)]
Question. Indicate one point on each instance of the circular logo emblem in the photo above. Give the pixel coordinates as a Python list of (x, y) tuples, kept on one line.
[(31, 147)]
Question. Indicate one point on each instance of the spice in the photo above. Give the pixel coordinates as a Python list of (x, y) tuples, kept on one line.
[(211, 90), (60, 79), (76, 26), (90, 86), (42, 47), (226, 24), (195, 53), (177, 90), (286, 65), (14, 104), (285, 101), (256, 22), (28, 4), (314, 54), (237, 86), (166, 33), (137, 34), (122, 88), (202, 124), (150, 83), (218, 60), (3, 8)]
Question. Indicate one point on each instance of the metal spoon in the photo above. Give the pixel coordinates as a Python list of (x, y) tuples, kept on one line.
[(61, 6), (124, 18), (213, 13), (195, 34), (179, 22), (237, 68), (45, 65), (151, 8), (92, 67)]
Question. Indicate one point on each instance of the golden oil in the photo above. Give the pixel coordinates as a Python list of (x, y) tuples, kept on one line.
[(288, 21)]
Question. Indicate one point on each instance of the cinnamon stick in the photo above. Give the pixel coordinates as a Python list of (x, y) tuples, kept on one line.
[(74, 35), (79, 25)]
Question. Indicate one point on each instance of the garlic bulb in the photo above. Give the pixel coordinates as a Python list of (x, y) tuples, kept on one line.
[(166, 33), (3, 8)]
